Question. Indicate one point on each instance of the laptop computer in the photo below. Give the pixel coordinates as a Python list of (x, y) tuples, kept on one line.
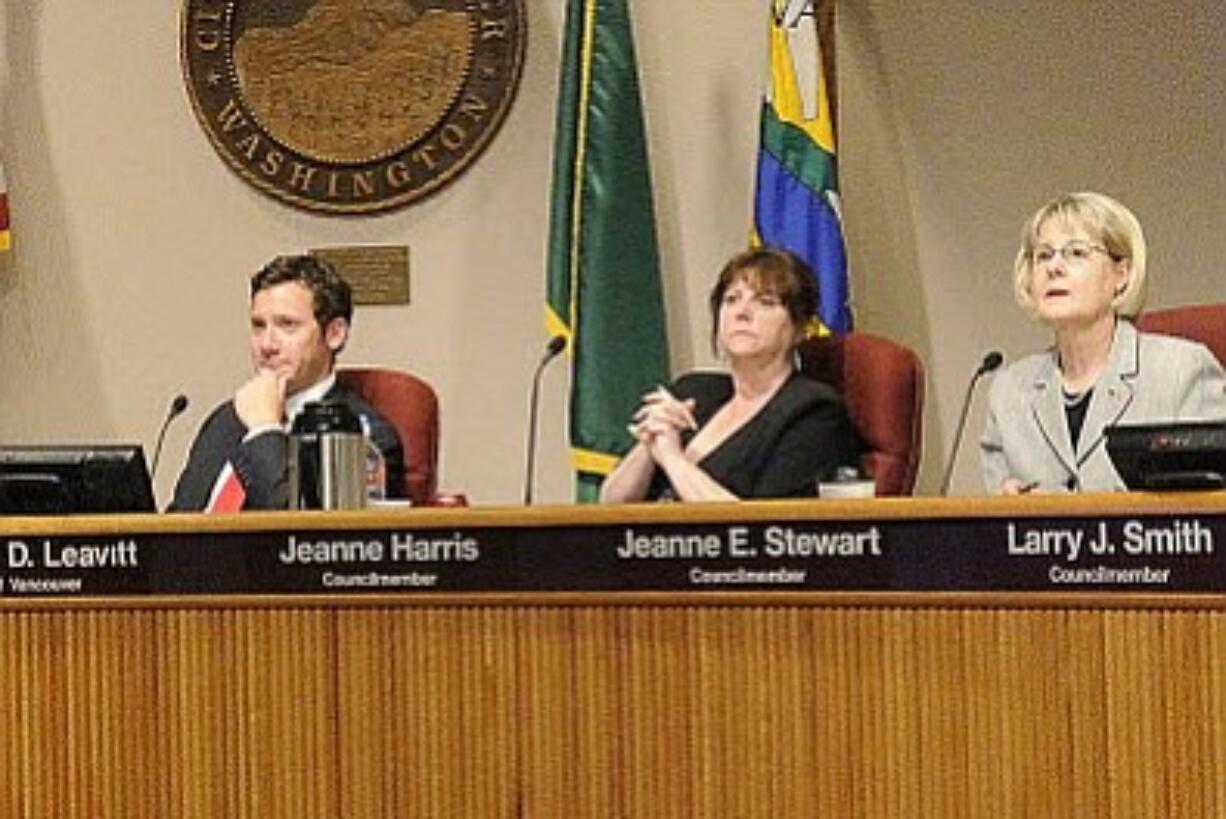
[(1174, 455), (74, 479)]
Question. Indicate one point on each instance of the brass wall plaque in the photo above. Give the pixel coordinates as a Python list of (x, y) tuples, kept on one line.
[(351, 106), (377, 274)]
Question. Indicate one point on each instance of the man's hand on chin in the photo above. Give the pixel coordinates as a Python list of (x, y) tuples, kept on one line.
[(261, 401)]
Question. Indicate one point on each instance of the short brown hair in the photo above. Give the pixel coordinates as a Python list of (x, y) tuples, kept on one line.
[(769, 270), (331, 295)]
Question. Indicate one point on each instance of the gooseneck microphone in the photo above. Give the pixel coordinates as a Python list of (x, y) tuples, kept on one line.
[(556, 345), (990, 362), (176, 409)]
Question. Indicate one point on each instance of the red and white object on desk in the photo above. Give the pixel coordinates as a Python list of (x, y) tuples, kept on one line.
[(228, 493)]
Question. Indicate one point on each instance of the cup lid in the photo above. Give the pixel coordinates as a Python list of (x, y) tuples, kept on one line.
[(327, 416)]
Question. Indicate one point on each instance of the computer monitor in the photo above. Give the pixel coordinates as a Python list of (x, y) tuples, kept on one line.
[(74, 479), (1175, 455)]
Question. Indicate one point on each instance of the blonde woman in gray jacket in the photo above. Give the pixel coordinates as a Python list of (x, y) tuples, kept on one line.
[(1081, 271)]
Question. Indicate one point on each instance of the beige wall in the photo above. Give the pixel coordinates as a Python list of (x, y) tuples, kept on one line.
[(134, 242)]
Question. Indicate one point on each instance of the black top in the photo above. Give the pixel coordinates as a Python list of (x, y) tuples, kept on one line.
[(1075, 407), (801, 434), (262, 464)]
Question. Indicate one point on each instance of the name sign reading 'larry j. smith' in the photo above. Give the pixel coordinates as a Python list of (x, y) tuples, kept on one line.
[(351, 106), (1174, 553)]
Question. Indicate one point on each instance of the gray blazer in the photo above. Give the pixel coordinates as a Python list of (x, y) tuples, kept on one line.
[(1147, 378)]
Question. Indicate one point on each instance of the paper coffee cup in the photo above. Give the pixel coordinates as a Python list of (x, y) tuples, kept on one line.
[(864, 488), (388, 503)]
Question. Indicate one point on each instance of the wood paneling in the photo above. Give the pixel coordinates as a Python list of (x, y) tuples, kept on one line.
[(598, 710)]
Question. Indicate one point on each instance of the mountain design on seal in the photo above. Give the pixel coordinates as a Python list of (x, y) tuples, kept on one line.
[(355, 80)]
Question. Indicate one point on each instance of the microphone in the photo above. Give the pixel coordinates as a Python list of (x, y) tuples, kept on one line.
[(990, 362), (556, 345), (176, 409)]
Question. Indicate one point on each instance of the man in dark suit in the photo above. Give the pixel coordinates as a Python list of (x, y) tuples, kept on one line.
[(301, 312)]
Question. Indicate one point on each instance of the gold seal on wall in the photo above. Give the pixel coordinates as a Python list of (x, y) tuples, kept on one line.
[(351, 106)]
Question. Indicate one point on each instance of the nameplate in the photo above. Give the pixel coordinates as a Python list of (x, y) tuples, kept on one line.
[(1142, 553)]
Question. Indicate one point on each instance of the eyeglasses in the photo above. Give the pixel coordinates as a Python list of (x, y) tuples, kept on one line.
[(1075, 253)]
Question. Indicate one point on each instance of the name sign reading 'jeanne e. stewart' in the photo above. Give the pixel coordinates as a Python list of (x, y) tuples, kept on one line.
[(1177, 553)]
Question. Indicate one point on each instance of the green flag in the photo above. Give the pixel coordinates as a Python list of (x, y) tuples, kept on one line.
[(603, 292)]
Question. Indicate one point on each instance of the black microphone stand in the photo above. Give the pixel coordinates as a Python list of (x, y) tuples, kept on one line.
[(176, 409), (555, 346), (990, 362)]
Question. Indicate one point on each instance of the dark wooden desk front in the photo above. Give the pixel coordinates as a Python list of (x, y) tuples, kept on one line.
[(649, 697)]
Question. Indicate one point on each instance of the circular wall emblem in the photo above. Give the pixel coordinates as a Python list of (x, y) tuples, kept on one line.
[(351, 106)]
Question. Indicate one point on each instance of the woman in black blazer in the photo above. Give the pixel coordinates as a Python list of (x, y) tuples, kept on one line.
[(761, 430)]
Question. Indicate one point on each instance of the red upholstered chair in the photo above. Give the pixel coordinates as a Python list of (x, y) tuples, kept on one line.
[(412, 408), (883, 385), (1205, 323)]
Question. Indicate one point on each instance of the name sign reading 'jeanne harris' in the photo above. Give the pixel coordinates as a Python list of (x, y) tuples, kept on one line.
[(351, 106)]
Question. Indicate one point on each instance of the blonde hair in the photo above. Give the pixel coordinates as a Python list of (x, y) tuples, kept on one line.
[(1106, 222)]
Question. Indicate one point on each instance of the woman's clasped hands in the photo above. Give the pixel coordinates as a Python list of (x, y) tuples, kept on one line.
[(659, 421)]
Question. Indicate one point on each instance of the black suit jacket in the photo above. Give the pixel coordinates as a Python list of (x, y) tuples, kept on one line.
[(262, 462), (801, 434)]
